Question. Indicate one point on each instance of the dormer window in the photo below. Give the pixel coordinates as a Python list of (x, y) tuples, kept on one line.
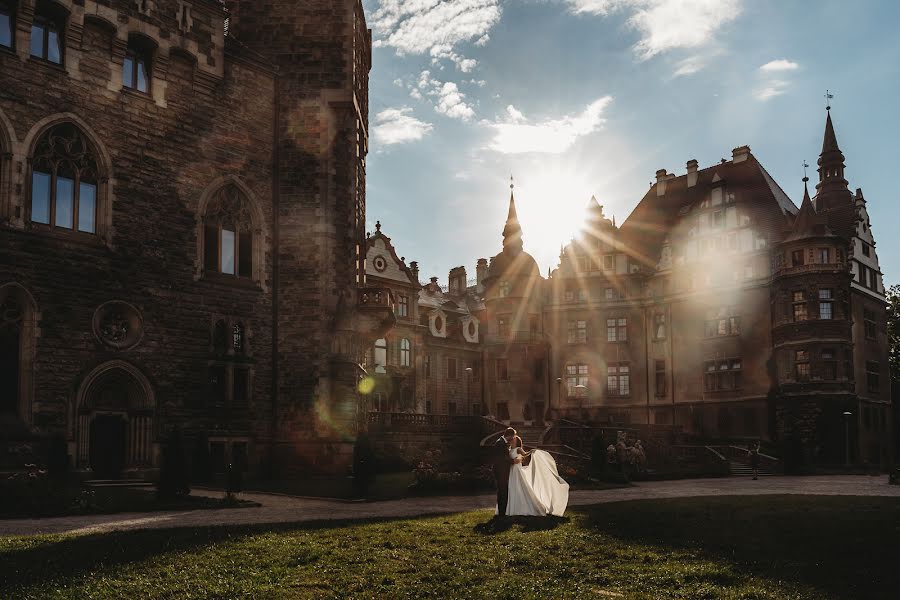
[(47, 32), (6, 24), (136, 68)]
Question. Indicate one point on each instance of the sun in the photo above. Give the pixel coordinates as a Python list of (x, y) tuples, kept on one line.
[(551, 203)]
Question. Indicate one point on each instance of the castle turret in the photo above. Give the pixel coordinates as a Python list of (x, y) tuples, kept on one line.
[(831, 191)]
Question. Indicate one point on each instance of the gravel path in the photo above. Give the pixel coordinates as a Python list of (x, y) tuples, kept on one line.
[(287, 509)]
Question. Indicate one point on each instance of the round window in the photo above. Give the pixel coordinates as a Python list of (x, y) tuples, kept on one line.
[(438, 323), (379, 263)]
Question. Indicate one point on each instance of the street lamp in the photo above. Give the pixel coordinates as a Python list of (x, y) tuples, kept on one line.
[(847, 415), (582, 392)]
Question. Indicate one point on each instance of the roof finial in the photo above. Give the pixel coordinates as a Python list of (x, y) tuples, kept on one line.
[(828, 97), (377, 225)]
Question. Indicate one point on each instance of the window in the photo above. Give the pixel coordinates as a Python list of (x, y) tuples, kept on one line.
[(428, 365), (47, 32), (584, 263), (6, 25), (797, 258), (569, 295), (241, 388), (64, 181), (801, 365), (829, 365), (865, 249), (405, 352), (504, 289), (451, 369), (618, 379), (609, 262), (722, 321), (617, 330), (824, 256), (582, 295), (503, 325), (611, 294), (217, 390), (718, 219), (869, 324), (577, 332), (722, 374), (825, 304), (659, 326), (402, 305), (228, 233), (502, 369), (872, 373), (799, 300), (660, 378), (136, 68), (576, 375), (380, 355)]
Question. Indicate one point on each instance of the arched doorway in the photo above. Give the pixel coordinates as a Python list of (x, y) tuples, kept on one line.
[(115, 421)]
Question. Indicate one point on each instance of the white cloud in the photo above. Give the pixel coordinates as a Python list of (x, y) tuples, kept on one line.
[(553, 136), (452, 103), (770, 89), (398, 126), (420, 26), (689, 66), (666, 24), (446, 52), (782, 64)]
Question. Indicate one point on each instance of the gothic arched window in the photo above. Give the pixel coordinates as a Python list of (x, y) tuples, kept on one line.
[(228, 233), (64, 178)]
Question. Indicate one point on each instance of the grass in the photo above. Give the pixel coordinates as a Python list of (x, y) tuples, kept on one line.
[(724, 547)]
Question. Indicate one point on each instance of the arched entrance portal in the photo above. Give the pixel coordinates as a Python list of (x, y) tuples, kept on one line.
[(115, 421)]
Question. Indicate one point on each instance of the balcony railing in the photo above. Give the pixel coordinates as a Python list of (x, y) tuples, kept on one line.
[(375, 297), (809, 268)]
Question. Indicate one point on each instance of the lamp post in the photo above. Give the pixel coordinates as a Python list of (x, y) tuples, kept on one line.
[(582, 392), (469, 377), (847, 415)]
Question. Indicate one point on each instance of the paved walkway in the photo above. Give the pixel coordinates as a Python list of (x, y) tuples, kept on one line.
[(286, 509)]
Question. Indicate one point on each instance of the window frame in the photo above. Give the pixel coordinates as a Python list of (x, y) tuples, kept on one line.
[(9, 9), (870, 324), (577, 374), (873, 376), (802, 372), (618, 380), (826, 304), (719, 371), (47, 22), (616, 329), (501, 369), (138, 56), (402, 305), (576, 330), (405, 352), (660, 377)]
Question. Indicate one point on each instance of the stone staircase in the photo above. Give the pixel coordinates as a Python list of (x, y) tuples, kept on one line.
[(742, 469)]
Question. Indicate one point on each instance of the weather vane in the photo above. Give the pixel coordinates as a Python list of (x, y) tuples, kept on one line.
[(805, 178), (511, 186), (828, 97)]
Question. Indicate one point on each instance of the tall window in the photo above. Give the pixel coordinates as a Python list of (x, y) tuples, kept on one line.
[(609, 262), (797, 258), (228, 233), (47, 32), (659, 326), (503, 325), (801, 365), (724, 374), (241, 388), (799, 306), (618, 379), (402, 305), (64, 180), (722, 321), (869, 324), (660, 378), (825, 304), (576, 375), (829, 364), (865, 249), (617, 330), (405, 353), (577, 332), (136, 68), (872, 374), (824, 256), (380, 355), (502, 369), (451, 369), (6, 24)]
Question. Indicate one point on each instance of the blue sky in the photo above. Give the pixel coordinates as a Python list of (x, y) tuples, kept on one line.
[(590, 97)]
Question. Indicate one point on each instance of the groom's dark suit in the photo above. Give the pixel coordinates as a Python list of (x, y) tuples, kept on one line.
[(501, 465)]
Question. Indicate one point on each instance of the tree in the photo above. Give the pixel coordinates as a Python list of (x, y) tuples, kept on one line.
[(893, 329)]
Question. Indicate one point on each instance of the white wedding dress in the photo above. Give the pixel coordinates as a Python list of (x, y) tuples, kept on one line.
[(536, 489)]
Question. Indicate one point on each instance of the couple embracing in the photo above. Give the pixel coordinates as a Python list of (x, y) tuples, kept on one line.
[(528, 483)]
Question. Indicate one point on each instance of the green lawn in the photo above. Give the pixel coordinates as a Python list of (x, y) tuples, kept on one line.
[(726, 547)]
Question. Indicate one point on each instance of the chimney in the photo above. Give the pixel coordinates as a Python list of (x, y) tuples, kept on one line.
[(740, 154), (481, 271), (691, 173), (457, 280), (661, 179), (414, 267)]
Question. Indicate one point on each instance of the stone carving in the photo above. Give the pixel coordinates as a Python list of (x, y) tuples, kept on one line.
[(118, 325)]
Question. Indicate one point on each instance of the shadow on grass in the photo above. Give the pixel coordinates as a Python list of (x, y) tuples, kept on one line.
[(844, 546), (526, 524)]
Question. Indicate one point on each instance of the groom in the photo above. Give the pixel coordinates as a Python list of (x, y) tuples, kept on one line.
[(501, 463)]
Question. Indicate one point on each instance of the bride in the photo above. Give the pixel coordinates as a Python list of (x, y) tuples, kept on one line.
[(535, 487)]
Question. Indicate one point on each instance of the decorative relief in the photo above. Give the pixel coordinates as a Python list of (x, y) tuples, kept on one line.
[(118, 325)]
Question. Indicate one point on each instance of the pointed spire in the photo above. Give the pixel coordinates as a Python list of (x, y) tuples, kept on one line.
[(829, 143), (831, 190), (808, 222), (512, 231)]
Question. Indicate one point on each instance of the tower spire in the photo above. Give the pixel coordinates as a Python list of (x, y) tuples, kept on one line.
[(512, 231), (832, 190)]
